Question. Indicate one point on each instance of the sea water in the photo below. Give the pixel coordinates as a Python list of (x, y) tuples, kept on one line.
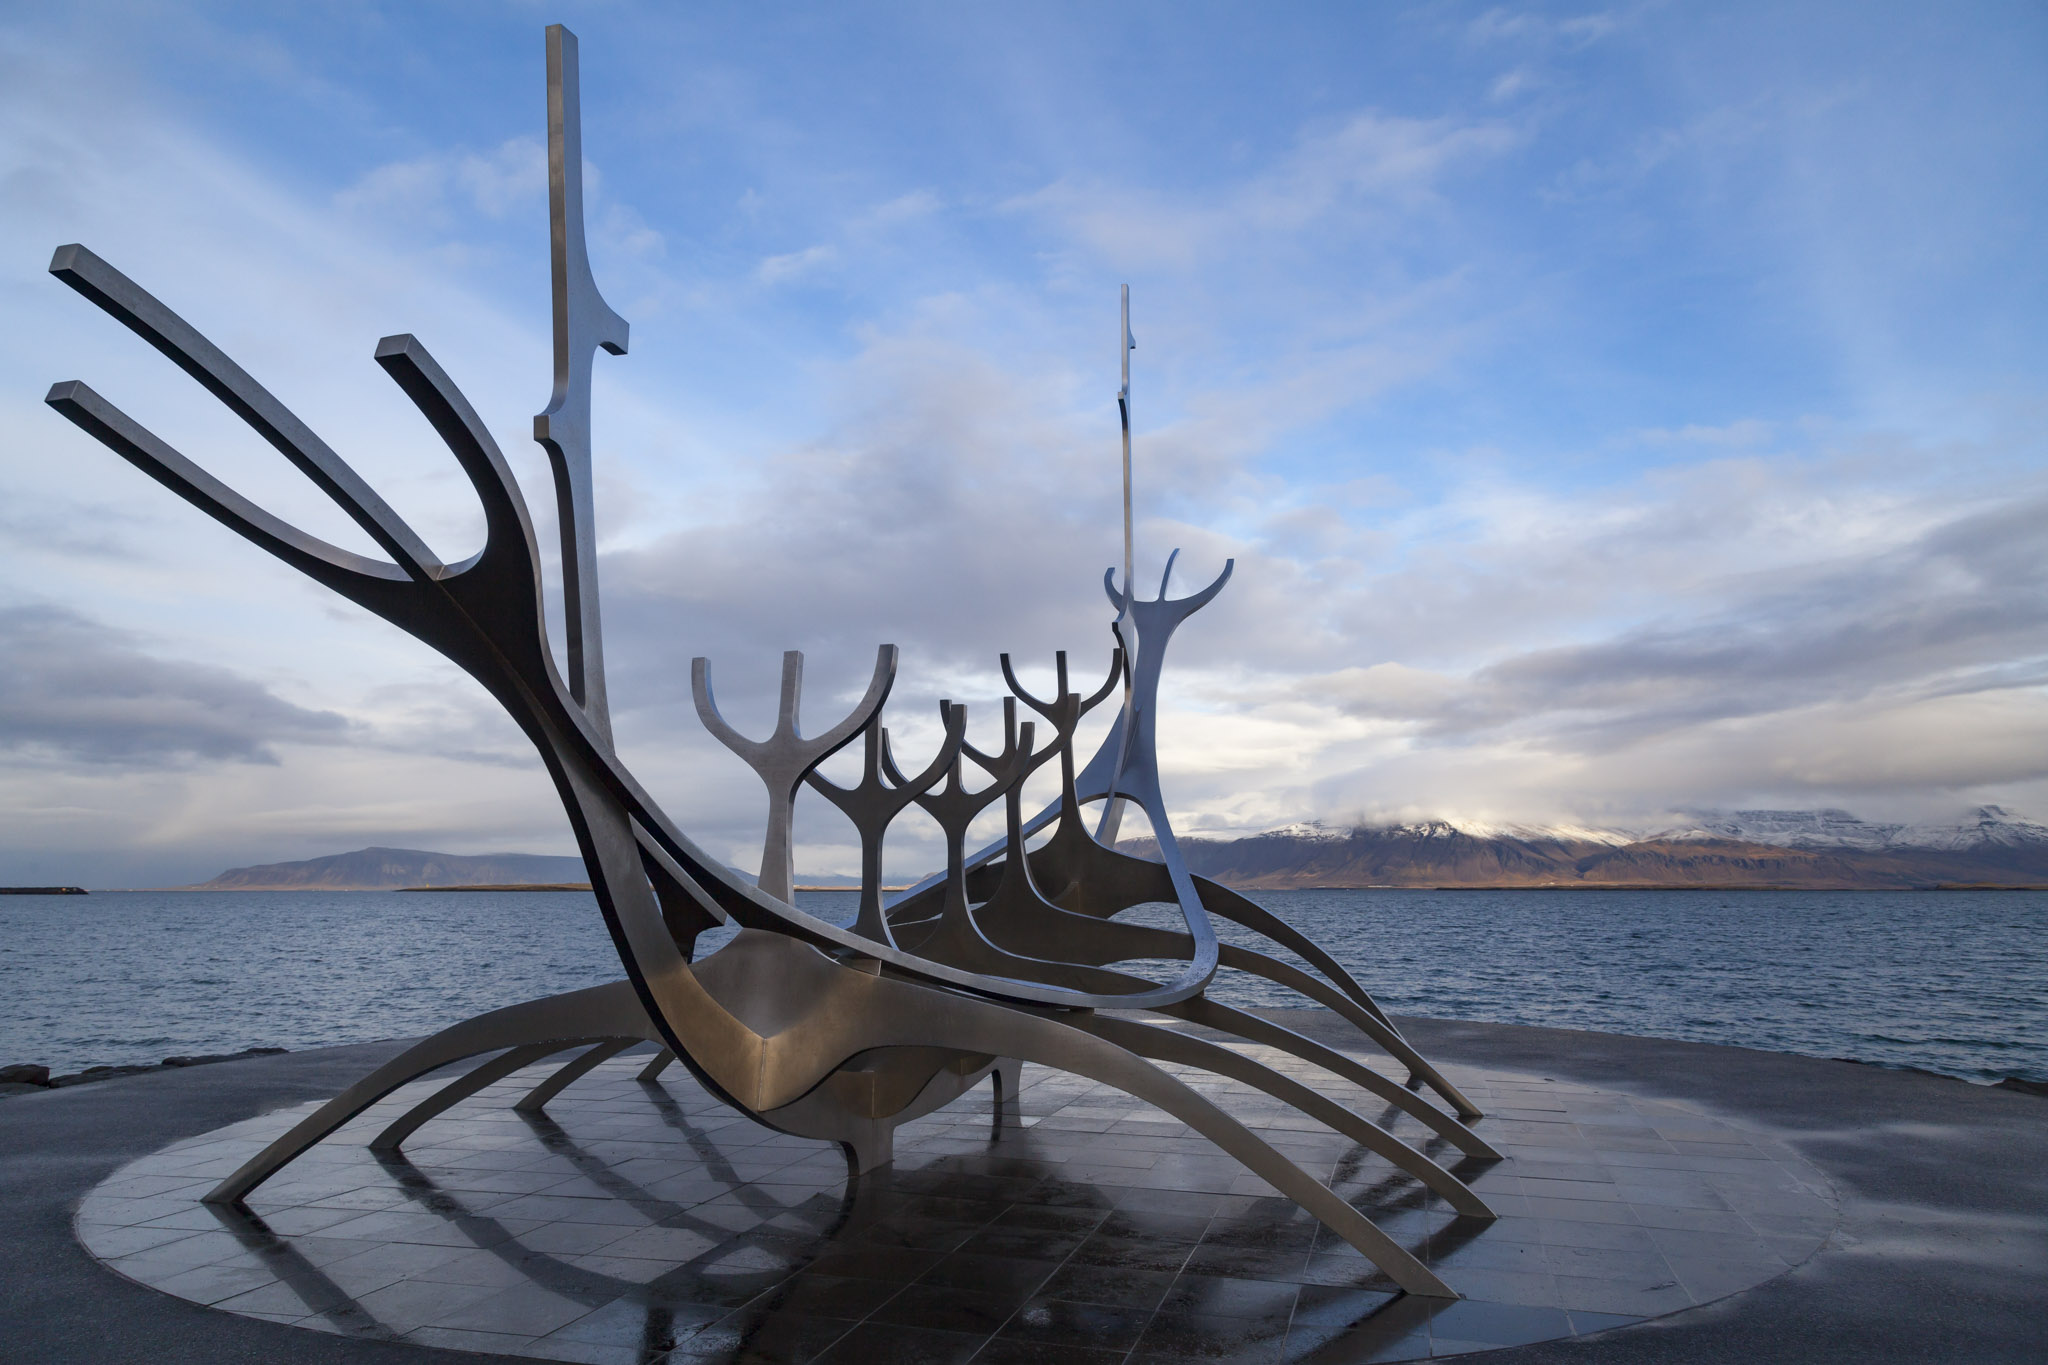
[(1953, 981)]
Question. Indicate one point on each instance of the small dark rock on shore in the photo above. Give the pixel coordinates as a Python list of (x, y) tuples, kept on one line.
[(23, 1076)]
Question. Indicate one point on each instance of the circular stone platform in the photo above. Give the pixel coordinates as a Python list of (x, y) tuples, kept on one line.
[(640, 1222)]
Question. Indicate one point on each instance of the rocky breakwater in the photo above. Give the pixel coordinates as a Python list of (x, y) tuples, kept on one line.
[(25, 1076)]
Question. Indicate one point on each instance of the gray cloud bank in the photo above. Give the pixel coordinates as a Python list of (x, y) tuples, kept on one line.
[(75, 692), (1959, 609)]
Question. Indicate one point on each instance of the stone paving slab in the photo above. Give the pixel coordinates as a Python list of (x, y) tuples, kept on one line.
[(1644, 1178)]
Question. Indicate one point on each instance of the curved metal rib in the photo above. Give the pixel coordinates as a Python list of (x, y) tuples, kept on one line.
[(1039, 1039), (598, 1011), (1115, 881), (1091, 944), (354, 576), (1367, 1023), (1111, 881), (535, 1101), (124, 300), (460, 1089), (1217, 899), (1242, 910), (1082, 939), (1165, 1045), (1253, 1029)]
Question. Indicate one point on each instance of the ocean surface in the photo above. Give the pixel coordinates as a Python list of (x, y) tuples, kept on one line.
[(1955, 982)]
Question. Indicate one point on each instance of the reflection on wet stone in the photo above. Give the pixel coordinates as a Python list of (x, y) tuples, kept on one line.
[(640, 1222)]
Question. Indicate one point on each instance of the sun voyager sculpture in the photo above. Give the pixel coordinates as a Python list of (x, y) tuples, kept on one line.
[(835, 1031)]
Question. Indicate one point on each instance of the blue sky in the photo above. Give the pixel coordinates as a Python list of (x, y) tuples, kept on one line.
[(1613, 411)]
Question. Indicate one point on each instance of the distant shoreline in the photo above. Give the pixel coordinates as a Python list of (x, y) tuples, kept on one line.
[(1246, 887), (1813, 851), (508, 886), (303, 887)]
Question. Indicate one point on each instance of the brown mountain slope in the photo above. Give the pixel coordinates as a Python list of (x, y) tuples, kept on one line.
[(1429, 855), (1729, 862)]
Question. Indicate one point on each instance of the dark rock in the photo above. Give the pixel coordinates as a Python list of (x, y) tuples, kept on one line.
[(15, 1079), (222, 1056), (98, 1073), (1909, 1070)]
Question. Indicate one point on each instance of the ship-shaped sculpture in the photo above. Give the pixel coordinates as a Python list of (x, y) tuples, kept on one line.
[(839, 1031)]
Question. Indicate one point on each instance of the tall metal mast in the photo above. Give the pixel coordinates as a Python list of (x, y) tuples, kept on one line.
[(1123, 409), (583, 322), (1113, 808)]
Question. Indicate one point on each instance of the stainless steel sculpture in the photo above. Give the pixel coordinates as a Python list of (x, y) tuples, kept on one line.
[(835, 1031)]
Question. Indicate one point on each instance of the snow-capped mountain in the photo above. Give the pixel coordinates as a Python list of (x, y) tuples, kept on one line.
[(1568, 834), (1994, 827), (1990, 826), (1317, 832), (1308, 832), (1785, 828), (1756, 848)]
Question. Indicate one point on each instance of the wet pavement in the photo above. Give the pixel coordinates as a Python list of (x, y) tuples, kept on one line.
[(1671, 1200)]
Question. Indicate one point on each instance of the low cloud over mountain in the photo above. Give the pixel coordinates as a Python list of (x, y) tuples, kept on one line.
[(1803, 849)]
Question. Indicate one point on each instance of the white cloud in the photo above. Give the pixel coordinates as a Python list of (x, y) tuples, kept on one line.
[(1364, 163), (1512, 83), (1530, 28), (904, 208), (442, 189), (795, 264)]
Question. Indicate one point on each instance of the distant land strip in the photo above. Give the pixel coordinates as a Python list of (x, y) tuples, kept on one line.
[(398, 869), (505, 886), (585, 886), (1754, 850)]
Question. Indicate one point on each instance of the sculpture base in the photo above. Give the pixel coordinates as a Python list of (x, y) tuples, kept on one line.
[(638, 1219)]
